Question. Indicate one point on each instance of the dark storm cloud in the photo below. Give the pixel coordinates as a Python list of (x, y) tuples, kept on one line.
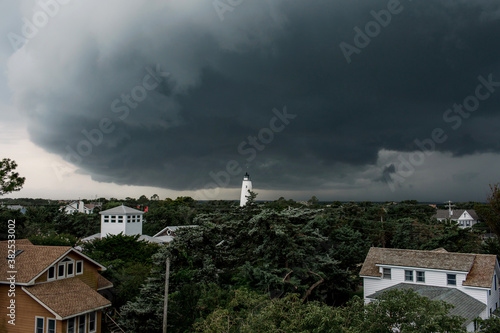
[(226, 77)]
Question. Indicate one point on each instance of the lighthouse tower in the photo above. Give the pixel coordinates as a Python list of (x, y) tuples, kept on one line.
[(246, 187)]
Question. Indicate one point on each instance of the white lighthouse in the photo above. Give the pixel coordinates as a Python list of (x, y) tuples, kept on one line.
[(246, 187)]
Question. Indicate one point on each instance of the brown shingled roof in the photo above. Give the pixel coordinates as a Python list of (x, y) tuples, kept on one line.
[(18, 241), (32, 261), (480, 267), (103, 283), (482, 271), (67, 297)]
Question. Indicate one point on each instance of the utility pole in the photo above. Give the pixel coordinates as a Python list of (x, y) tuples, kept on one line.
[(165, 303)]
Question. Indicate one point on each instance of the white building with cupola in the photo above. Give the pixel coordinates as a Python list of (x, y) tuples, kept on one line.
[(121, 219), (128, 221)]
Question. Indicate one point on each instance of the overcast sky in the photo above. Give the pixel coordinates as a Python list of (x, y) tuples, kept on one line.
[(345, 100)]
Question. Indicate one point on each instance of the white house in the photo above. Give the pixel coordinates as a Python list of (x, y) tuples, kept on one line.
[(121, 219), (78, 207), (465, 218), (470, 282), (128, 221)]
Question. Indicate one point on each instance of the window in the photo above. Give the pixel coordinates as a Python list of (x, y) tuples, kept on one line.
[(420, 276), (452, 279), (81, 324), (92, 322), (51, 274), (79, 267), (495, 281), (71, 325), (51, 325), (408, 275), (386, 273), (70, 269), (61, 269), (39, 324)]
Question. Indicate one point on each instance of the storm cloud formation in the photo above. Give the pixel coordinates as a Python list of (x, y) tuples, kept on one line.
[(301, 94)]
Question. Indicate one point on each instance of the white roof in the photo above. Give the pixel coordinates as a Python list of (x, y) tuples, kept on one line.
[(173, 228), (120, 210)]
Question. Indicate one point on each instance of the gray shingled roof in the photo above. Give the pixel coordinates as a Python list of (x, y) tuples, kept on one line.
[(120, 210), (464, 305), (445, 214)]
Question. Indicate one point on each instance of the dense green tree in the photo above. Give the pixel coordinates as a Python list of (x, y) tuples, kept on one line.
[(77, 224), (10, 180), (396, 311), (490, 325), (448, 235), (54, 239), (491, 212), (128, 262), (6, 215)]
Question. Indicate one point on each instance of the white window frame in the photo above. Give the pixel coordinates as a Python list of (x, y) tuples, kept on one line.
[(55, 273), (51, 320), (67, 325), (386, 274), (36, 324), (63, 265), (417, 277), (94, 314), (76, 267), (406, 275), (454, 277), (72, 262), (84, 323)]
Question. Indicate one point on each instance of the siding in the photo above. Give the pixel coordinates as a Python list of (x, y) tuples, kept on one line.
[(26, 310), (432, 278)]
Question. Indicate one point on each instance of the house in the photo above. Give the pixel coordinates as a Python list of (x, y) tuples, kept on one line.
[(49, 289), (468, 281), (20, 208), (128, 221), (79, 207), (167, 234), (465, 218), (124, 220)]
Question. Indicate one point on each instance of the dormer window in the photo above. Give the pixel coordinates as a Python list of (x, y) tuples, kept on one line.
[(61, 270), (65, 268), (51, 273), (79, 267), (70, 269)]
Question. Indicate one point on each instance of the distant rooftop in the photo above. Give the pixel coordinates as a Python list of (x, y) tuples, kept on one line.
[(121, 210)]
